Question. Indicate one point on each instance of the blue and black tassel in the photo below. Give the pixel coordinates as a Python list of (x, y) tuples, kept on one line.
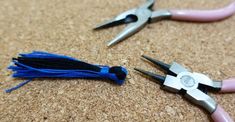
[(46, 65)]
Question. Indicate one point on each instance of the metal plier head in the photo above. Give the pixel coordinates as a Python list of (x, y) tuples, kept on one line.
[(180, 80), (137, 18)]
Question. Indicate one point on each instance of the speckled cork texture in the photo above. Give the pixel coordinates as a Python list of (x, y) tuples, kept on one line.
[(65, 27)]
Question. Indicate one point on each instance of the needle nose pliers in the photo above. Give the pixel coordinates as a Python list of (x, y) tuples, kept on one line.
[(140, 16), (193, 86)]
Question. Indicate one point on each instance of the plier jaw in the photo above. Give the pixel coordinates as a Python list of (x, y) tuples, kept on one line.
[(135, 18), (123, 18), (129, 15)]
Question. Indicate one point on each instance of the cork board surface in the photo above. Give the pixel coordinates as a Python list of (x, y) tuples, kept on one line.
[(65, 27)]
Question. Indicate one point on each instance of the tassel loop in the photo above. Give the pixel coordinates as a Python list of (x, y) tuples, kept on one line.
[(116, 74)]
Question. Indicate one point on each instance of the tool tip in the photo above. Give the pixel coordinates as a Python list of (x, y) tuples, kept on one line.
[(144, 56), (136, 69), (148, 58), (112, 43), (140, 70), (109, 44), (154, 76), (143, 72), (157, 62), (97, 27)]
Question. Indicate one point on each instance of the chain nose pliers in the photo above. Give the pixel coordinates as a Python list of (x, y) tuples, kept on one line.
[(140, 16)]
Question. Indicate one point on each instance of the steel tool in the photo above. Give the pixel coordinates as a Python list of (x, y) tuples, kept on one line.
[(193, 86), (140, 16)]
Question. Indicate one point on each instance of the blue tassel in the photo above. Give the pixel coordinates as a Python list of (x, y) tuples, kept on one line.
[(46, 65)]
